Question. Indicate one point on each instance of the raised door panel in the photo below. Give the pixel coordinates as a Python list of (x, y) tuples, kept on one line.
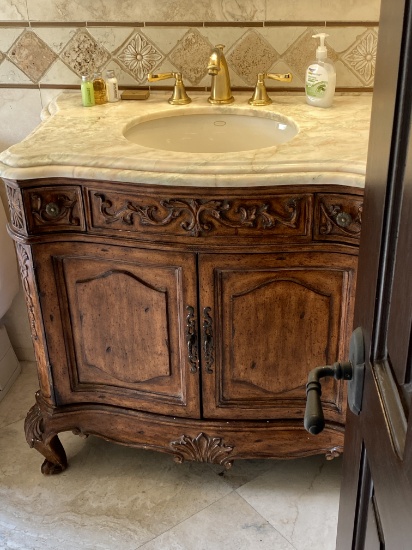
[(116, 326), (274, 318)]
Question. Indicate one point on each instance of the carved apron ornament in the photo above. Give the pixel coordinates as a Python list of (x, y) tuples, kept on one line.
[(197, 214), (202, 448)]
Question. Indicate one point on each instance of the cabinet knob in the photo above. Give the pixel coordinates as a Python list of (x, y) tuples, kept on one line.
[(52, 209), (343, 219)]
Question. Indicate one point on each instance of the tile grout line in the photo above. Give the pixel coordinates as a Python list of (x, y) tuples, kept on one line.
[(266, 520)]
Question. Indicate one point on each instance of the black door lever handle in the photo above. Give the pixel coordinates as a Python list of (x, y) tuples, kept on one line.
[(314, 421), (353, 370)]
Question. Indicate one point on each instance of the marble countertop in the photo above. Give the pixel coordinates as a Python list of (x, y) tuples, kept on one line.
[(74, 141)]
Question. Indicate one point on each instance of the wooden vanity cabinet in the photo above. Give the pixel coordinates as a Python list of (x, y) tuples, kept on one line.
[(183, 319)]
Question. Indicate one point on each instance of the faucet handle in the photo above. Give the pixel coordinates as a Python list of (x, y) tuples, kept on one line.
[(260, 96), (179, 95)]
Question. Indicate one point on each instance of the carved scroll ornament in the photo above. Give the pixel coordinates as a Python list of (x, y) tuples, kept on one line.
[(202, 448), (16, 208), (336, 217), (48, 212), (198, 214), (24, 264)]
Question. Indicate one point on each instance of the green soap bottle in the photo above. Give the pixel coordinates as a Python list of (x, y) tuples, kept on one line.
[(87, 91)]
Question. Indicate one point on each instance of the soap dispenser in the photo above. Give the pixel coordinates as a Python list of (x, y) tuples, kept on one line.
[(320, 80)]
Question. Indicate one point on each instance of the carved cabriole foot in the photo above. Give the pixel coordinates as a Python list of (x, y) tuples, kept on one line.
[(50, 446)]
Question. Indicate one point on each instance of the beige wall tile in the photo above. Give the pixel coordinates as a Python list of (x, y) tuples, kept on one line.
[(55, 37), (10, 74), (31, 55), (111, 38), (322, 10), (147, 10), (60, 74), (166, 38), (13, 10), (8, 37)]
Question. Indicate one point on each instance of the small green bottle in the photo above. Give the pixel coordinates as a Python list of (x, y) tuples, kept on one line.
[(87, 91)]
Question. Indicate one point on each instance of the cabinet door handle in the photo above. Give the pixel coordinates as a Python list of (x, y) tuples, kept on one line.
[(191, 339), (208, 344)]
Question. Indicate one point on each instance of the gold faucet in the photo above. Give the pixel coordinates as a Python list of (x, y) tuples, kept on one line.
[(179, 95), (220, 92), (260, 95)]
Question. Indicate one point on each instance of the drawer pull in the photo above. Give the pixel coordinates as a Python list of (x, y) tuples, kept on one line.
[(208, 344), (191, 339)]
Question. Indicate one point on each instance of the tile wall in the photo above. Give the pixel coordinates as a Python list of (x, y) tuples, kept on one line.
[(45, 45), (53, 42)]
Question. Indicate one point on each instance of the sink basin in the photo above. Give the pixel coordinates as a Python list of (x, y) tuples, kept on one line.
[(212, 132)]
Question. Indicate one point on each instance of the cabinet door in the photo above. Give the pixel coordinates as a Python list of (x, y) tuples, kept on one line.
[(115, 320), (267, 321)]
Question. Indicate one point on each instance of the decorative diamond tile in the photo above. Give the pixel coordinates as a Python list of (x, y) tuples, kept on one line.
[(191, 56), (360, 58), (139, 56), (83, 54), (251, 55), (303, 51), (31, 55)]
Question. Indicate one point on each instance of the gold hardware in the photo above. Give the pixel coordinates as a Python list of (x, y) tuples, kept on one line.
[(179, 95), (220, 91), (260, 95)]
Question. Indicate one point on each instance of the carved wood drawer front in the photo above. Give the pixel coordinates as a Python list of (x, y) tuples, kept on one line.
[(287, 215), (338, 217), (54, 209)]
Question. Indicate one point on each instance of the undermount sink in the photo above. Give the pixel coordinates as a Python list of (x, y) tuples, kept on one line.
[(212, 132)]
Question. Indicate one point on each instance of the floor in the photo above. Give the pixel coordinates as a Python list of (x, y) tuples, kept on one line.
[(113, 497)]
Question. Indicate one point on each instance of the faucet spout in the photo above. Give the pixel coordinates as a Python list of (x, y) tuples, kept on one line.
[(220, 91)]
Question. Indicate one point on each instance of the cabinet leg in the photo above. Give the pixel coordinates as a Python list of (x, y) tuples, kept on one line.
[(50, 447)]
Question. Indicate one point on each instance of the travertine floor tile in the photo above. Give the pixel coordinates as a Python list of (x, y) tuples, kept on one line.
[(300, 499), (20, 397), (229, 524), (114, 497)]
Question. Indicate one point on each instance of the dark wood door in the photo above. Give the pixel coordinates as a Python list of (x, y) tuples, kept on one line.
[(271, 315), (122, 316), (376, 495)]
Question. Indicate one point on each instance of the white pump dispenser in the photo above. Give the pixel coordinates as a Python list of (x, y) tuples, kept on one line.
[(320, 80)]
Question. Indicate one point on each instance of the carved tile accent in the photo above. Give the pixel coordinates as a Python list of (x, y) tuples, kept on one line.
[(83, 54), (191, 55), (31, 55), (139, 56), (252, 55), (360, 58), (302, 52)]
